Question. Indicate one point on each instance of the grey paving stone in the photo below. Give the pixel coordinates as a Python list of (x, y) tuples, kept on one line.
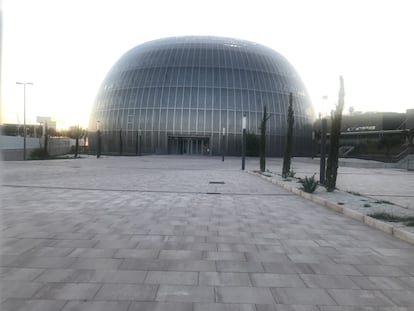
[(288, 267), (73, 236), (408, 282), (267, 257), (280, 307), (127, 292), (302, 296), (361, 308), (18, 289), (180, 254), (191, 265), (239, 266), (224, 279), (185, 293), (66, 276), (42, 262), (236, 256), (334, 269), (68, 291), (115, 244), (402, 298), (19, 274), (234, 247), (97, 306), (92, 276), (161, 306), (137, 253), (276, 280), (169, 228), (348, 297), (189, 246), (143, 264), (310, 258), (223, 307), (49, 251), (118, 276), (378, 283), (75, 243), (380, 270), (329, 281), (356, 259), (171, 277), (250, 295), (96, 263), (32, 305), (92, 253), (184, 239)]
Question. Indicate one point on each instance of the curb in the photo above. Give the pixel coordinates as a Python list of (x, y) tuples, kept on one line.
[(397, 232)]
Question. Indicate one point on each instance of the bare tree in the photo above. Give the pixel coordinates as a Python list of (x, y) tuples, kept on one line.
[(262, 145), (333, 155), (289, 137)]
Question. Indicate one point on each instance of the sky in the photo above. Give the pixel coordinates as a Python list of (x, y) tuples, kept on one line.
[(66, 47)]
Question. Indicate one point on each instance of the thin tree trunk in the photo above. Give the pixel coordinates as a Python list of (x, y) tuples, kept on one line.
[(289, 137), (332, 163)]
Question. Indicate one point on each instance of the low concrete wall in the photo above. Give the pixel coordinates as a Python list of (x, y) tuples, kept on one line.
[(11, 147)]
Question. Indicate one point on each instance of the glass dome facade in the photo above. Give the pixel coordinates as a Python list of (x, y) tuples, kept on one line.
[(176, 95)]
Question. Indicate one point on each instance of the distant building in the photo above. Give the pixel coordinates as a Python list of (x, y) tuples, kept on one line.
[(176, 95), (374, 132)]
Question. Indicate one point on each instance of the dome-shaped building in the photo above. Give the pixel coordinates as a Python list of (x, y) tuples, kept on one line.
[(176, 95)]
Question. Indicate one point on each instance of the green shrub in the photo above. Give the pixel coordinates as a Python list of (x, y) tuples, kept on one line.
[(309, 184), (291, 173), (407, 220), (39, 154)]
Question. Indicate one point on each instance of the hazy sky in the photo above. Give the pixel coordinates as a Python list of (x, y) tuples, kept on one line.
[(66, 47)]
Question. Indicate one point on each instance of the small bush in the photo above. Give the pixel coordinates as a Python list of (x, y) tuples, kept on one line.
[(407, 220), (291, 173), (39, 154), (309, 184)]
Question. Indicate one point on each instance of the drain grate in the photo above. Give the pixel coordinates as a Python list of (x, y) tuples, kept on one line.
[(216, 182)]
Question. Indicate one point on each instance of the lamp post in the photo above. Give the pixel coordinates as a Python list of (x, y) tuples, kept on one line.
[(140, 134), (244, 141), (98, 151), (322, 167), (222, 144), (24, 116)]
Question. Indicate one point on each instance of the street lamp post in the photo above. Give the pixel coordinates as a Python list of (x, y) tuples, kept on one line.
[(98, 132), (322, 167), (244, 141), (140, 146), (24, 116), (222, 144)]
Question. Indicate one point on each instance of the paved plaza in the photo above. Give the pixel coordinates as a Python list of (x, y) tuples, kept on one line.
[(175, 233)]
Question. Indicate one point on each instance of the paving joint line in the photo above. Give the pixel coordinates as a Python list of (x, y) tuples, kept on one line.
[(144, 191)]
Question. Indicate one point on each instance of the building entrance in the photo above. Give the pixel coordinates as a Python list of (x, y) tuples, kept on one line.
[(188, 145)]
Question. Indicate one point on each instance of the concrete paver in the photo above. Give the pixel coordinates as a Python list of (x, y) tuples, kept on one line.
[(152, 233)]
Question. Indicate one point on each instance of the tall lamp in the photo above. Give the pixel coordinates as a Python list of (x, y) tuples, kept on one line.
[(24, 116), (244, 141), (222, 144)]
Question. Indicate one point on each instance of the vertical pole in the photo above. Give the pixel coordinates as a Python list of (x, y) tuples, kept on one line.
[(139, 142), (98, 149), (244, 142), (136, 144), (323, 153), (24, 122), (120, 142), (222, 144)]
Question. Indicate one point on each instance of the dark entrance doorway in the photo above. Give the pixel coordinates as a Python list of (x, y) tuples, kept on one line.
[(188, 145)]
